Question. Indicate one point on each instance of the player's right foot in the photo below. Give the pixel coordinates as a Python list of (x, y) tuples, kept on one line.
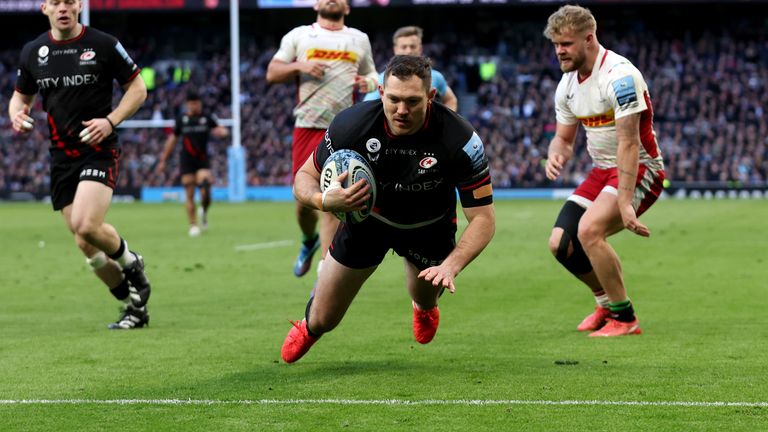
[(139, 288), (304, 260), (596, 320), (194, 231), (425, 323), (131, 318), (618, 328), (297, 342)]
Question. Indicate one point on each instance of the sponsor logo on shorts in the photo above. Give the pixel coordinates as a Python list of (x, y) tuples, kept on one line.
[(422, 259), (93, 173)]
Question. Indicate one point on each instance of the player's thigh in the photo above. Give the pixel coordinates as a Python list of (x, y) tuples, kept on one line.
[(337, 285), (188, 179), (602, 218), (92, 200), (417, 285), (202, 175)]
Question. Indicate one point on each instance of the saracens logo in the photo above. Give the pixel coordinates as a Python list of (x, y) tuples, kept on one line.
[(88, 55), (428, 162)]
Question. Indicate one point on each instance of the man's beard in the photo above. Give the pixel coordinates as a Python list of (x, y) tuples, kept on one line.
[(331, 15)]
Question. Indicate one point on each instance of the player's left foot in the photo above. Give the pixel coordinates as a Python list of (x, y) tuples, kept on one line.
[(139, 288), (425, 323), (304, 260), (194, 231), (131, 318), (596, 320), (614, 327), (297, 342), (202, 216)]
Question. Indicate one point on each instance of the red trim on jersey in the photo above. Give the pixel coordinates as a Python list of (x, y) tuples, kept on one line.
[(603, 60), (138, 71), (189, 148), (475, 185), (66, 41), (581, 80), (646, 129)]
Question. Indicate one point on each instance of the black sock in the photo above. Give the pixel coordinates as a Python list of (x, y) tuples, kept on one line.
[(121, 291), (120, 250), (309, 241), (306, 318), (623, 311)]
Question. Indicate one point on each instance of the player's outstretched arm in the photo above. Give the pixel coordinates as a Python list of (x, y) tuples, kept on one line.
[(560, 149), (477, 235), (18, 112)]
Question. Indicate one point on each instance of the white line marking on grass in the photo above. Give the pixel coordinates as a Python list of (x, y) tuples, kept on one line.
[(395, 402), (267, 245)]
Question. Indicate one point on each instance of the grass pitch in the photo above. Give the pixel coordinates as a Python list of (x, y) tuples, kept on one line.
[(210, 359)]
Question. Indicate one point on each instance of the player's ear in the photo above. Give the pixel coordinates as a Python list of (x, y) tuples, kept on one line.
[(431, 94)]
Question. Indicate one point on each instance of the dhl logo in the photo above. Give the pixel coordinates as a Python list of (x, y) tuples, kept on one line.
[(323, 54), (601, 120)]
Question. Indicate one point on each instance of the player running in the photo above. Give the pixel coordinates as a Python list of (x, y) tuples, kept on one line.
[(73, 67), (194, 128)]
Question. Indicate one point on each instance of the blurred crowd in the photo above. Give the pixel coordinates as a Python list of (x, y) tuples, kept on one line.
[(709, 93)]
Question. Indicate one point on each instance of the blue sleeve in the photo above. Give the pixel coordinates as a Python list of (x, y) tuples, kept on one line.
[(374, 95), (438, 82)]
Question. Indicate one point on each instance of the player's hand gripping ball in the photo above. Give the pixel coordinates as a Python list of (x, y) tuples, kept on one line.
[(358, 167)]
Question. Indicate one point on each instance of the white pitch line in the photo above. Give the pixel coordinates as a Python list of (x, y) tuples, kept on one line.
[(392, 402), (267, 245)]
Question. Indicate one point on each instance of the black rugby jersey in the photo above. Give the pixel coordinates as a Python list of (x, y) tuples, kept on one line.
[(74, 77), (195, 131), (416, 175)]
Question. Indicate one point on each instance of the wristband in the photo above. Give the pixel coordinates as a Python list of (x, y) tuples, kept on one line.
[(110, 123)]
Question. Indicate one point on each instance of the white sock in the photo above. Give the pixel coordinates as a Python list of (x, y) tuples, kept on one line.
[(602, 301), (127, 258)]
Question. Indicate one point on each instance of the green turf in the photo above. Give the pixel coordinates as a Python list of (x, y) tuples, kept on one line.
[(219, 316)]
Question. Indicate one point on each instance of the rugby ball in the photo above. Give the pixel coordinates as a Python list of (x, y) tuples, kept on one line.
[(358, 168)]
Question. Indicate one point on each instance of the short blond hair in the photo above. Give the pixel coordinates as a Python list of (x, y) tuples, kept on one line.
[(408, 31), (570, 18)]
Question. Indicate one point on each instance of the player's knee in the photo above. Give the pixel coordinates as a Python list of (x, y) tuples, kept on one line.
[(554, 241), (205, 184), (589, 235), (85, 228)]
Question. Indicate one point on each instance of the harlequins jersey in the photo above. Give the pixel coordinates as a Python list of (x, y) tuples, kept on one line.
[(416, 175), (75, 78)]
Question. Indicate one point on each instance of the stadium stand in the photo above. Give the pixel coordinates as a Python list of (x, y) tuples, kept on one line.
[(709, 89)]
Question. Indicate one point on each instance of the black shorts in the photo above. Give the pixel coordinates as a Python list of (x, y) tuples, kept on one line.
[(191, 165), (66, 174), (365, 244)]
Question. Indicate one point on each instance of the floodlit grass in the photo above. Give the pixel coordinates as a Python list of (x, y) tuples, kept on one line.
[(219, 316)]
